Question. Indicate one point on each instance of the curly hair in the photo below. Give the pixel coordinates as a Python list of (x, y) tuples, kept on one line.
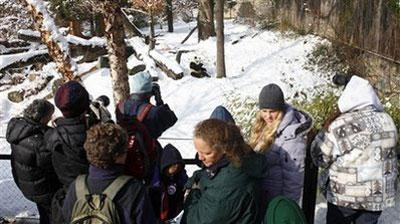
[(223, 137), (263, 135), (38, 109), (104, 143)]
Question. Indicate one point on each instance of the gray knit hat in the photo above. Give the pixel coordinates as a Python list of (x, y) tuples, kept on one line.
[(271, 97)]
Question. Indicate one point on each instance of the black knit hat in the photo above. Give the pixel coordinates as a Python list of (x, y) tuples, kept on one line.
[(271, 97)]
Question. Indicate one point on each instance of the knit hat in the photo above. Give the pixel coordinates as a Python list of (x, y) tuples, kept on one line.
[(38, 109), (271, 97), (140, 83), (72, 99)]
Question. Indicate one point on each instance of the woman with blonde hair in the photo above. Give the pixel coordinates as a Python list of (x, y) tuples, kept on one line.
[(227, 189), (279, 133)]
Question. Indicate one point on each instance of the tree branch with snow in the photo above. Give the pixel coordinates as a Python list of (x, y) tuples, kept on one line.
[(56, 43)]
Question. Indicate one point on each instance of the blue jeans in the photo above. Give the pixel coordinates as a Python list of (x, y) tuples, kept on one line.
[(341, 215)]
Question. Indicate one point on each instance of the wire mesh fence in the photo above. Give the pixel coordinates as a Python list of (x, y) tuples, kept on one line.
[(12, 201)]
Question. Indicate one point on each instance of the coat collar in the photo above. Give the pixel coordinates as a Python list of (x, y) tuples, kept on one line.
[(213, 170)]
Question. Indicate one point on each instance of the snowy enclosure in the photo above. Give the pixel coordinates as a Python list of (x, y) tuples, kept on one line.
[(254, 58)]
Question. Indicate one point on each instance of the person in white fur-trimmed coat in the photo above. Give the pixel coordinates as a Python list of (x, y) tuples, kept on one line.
[(358, 156)]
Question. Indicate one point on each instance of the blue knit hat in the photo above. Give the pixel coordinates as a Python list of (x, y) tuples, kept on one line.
[(140, 83)]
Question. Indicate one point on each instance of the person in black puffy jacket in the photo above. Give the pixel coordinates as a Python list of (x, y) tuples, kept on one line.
[(67, 138), (31, 163)]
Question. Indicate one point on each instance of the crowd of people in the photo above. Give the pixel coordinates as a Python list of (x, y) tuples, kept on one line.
[(85, 166)]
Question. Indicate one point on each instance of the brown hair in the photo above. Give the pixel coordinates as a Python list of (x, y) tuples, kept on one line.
[(104, 143), (223, 137)]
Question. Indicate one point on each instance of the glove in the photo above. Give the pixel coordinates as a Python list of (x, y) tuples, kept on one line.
[(157, 94)]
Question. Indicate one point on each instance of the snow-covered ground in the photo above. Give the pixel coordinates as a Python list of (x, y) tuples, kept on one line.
[(257, 59)]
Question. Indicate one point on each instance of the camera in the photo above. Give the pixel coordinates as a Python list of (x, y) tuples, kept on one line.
[(98, 111)]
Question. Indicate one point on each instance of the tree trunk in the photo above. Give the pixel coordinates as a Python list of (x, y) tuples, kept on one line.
[(220, 39), (58, 49), (170, 16), (99, 25), (152, 38), (75, 28), (205, 19), (114, 32)]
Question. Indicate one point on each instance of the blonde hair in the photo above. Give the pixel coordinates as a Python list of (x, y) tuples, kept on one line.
[(263, 135)]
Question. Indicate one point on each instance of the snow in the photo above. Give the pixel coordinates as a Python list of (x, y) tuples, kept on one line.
[(94, 41), (133, 61), (170, 63), (6, 60), (258, 58), (28, 32)]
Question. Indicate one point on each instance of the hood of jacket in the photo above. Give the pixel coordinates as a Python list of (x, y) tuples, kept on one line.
[(294, 122), (358, 94), (20, 128), (170, 155), (223, 114)]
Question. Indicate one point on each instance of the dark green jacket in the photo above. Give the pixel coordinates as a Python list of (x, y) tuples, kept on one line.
[(227, 194)]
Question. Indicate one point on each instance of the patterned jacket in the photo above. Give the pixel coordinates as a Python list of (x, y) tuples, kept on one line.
[(358, 152)]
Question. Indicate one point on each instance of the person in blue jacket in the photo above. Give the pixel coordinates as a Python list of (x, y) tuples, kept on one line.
[(159, 117), (167, 186)]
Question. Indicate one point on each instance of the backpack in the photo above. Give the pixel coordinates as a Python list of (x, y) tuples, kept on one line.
[(96, 208), (142, 151)]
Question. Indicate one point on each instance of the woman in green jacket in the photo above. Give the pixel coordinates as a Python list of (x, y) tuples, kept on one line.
[(227, 189)]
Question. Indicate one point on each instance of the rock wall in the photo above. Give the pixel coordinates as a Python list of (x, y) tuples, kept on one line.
[(371, 29)]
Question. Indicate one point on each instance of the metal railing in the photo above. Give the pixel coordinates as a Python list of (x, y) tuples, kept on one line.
[(12, 201)]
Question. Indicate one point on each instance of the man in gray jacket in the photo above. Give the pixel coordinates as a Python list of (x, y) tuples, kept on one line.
[(358, 157)]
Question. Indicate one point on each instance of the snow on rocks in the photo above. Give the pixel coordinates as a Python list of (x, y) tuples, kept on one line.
[(6, 60)]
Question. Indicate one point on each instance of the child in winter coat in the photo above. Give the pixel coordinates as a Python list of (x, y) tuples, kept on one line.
[(167, 187), (31, 164)]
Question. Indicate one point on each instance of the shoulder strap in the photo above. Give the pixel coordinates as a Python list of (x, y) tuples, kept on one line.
[(143, 113), (81, 187), (116, 185), (120, 107)]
